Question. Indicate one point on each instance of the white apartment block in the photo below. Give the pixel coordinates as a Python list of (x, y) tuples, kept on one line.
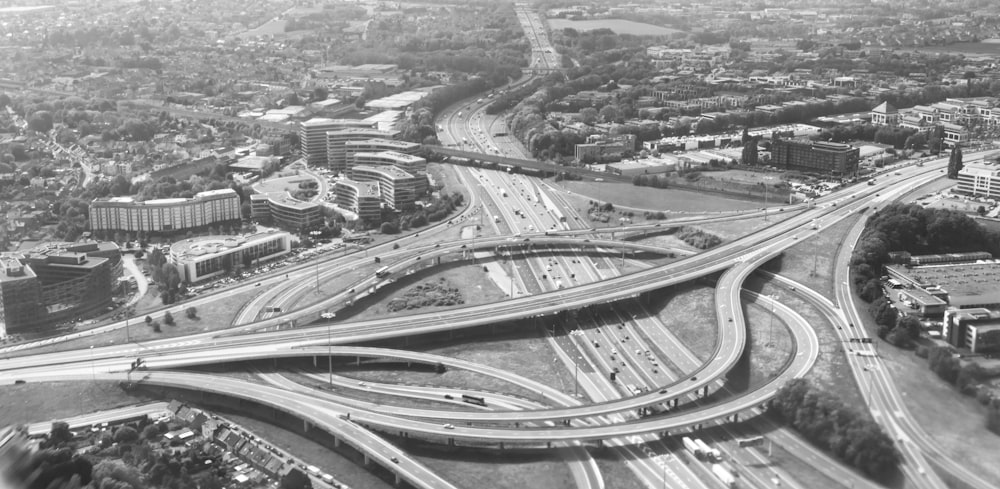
[(165, 215)]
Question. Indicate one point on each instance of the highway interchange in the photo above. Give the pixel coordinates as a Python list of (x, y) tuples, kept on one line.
[(549, 264), (745, 256)]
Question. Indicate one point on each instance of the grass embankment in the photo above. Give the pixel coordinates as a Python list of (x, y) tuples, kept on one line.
[(810, 262), (689, 311), (647, 198), (216, 316), (770, 343), (474, 287), (44, 401)]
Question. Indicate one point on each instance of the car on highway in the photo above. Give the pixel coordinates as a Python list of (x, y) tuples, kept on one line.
[(663, 391), (394, 460), (449, 426)]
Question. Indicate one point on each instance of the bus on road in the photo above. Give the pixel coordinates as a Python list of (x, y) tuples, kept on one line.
[(381, 272)]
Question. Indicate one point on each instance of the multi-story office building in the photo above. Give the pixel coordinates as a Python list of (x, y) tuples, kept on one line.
[(202, 258), (54, 282), (414, 165), (599, 147), (125, 214), (982, 179), (361, 198), (376, 145), (336, 144), (282, 210), (397, 186), (977, 329), (312, 136), (815, 156)]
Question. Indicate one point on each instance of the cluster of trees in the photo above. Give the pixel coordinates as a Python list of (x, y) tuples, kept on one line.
[(655, 181), (967, 378), (896, 328), (165, 275), (698, 238), (898, 137), (828, 422), (918, 230), (437, 210), (955, 162)]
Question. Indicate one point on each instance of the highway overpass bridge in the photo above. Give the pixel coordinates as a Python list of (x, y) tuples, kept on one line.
[(504, 162)]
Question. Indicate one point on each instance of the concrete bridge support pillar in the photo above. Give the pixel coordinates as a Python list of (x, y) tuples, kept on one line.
[(305, 426), (336, 442), (501, 445), (705, 393), (399, 480), (314, 361), (368, 460), (358, 361), (736, 417)]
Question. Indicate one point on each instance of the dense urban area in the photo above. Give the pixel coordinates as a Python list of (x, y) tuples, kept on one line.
[(434, 244)]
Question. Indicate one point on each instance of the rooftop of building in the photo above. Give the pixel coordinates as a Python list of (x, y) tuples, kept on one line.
[(385, 116), (211, 245), (363, 188), (208, 194), (966, 283), (392, 155), (980, 168), (324, 122), (395, 172), (885, 108), (388, 143), (368, 132), (644, 163)]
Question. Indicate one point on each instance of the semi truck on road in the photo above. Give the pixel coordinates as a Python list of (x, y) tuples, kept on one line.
[(724, 475)]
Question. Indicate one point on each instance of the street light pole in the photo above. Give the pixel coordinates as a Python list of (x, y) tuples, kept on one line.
[(576, 379), (329, 354), (770, 327)]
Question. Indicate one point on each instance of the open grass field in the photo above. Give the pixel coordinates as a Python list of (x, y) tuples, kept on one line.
[(45, 401), (527, 354), (654, 199), (770, 343), (730, 230), (618, 26), (451, 378), (689, 311), (488, 469), (810, 262), (829, 370), (219, 315), (476, 287)]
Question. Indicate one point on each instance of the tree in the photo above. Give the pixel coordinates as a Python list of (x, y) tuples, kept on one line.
[(910, 325), (191, 313), (126, 434), (40, 121), (320, 93), (168, 318), (149, 320), (749, 156), (295, 479), (588, 115), (955, 162)]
